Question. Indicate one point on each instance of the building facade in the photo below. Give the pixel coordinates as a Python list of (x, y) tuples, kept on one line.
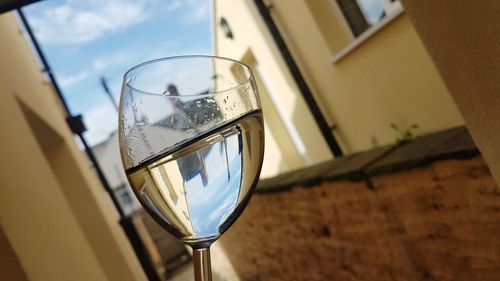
[(362, 60)]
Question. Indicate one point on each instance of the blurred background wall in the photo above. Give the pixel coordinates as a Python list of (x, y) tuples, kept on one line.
[(54, 214)]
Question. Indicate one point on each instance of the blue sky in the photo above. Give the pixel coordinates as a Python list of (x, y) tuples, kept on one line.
[(86, 39)]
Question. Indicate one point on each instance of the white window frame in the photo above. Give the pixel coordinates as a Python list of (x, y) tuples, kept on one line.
[(392, 11)]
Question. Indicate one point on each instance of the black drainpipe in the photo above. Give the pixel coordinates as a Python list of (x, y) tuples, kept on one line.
[(299, 79), (77, 127)]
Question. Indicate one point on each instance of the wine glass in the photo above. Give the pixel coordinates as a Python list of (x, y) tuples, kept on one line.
[(192, 143)]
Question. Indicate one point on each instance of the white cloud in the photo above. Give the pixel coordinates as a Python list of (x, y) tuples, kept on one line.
[(174, 5), (199, 11), (69, 80), (83, 21), (194, 10)]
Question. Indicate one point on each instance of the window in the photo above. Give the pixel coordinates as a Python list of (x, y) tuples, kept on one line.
[(363, 14)]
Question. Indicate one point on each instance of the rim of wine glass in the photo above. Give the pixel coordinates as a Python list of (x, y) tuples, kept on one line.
[(127, 83)]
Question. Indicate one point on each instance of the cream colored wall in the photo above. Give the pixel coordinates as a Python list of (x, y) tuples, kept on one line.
[(331, 24), (463, 39), (10, 269), (388, 79), (251, 36), (53, 210)]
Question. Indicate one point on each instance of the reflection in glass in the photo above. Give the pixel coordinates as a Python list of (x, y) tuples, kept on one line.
[(192, 145)]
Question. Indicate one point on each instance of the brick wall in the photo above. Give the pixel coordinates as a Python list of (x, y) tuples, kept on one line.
[(439, 221)]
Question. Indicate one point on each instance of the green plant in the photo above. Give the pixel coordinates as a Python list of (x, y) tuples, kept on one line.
[(406, 134)]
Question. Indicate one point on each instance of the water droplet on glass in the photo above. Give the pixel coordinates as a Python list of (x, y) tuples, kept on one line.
[(130, 153)]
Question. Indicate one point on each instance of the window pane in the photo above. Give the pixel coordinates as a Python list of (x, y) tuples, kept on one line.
[(354, 16), (372, 10)]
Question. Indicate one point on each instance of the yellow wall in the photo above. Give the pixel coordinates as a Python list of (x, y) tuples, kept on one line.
[(251, 38), (388, 79), (463, 40), (53, 211), (330, 23), (10, 269)]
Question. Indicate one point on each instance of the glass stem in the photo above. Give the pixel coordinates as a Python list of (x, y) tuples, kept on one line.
[(202, 267)]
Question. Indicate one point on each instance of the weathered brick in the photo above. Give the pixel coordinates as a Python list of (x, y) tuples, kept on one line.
[(437, 222)]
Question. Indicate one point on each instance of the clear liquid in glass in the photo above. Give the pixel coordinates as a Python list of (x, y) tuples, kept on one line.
[(198, 189)]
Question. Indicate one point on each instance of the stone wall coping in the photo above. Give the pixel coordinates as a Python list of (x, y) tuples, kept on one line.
[(454, 143)]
